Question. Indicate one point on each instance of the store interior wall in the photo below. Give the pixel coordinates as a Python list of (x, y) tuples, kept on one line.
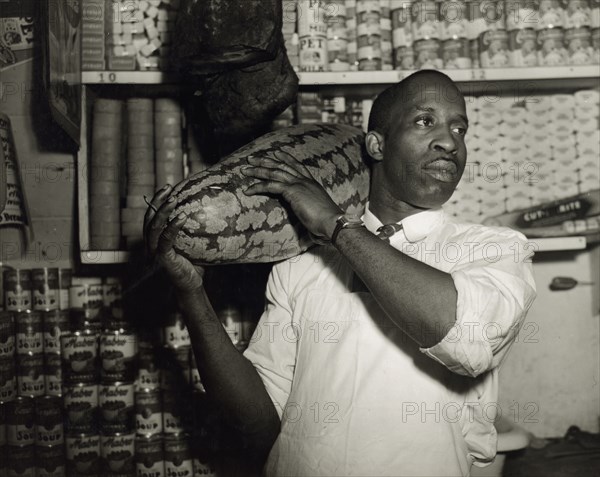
[(549, 381)]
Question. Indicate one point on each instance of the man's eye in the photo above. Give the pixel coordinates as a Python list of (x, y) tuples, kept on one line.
[(424, 122), (460, 131)]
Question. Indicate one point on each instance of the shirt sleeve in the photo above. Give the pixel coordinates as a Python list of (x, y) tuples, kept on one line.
[(495, 288), (272, 348)]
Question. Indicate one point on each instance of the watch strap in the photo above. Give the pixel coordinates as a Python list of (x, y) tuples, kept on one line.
[(342, 222)]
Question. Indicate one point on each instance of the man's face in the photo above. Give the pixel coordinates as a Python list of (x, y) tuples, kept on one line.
[(424, 152)]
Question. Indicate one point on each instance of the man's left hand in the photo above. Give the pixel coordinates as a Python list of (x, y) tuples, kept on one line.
[(293, 181)]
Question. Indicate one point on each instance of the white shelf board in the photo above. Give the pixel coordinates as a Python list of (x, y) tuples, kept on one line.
[(127, 77), (553, 244)]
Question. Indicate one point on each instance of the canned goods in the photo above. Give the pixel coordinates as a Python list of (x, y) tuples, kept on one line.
[(20, 461), (551, 14), (53, 374), (176, 333), (401, 27), (368, 23), (522, 45), (456, 54), (485, 15), (116, 402), (369, 47), (521, 14), (551, 47), (45, 289), (117, 356), (8, 379), (148, 375), (83, 455), (87, 294), (7, 334), (118, 453), (50, 461), (454, 20), (177, 370), (80, 403), (313, 53), (178, 455), (20, 421), (404, 58), (79, 352), (311, 18), (28, 328), (55, 324), (30, 375), (48, 421), (175, 413), (202, 467), (148, 412), (64, 285), (427, 54), (17, 290), (579, 46), (474, 52), (112, 292), (149, 456), (425, 20), (493, 49)]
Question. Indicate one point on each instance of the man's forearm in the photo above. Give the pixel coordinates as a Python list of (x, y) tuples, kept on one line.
[(418, 298)]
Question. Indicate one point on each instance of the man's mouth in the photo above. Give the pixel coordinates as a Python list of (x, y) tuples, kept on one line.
[(443, 169)]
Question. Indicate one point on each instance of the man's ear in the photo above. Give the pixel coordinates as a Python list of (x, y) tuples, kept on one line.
[(374, 143)]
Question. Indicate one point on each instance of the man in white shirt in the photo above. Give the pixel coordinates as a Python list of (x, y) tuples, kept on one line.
[(373, 357)]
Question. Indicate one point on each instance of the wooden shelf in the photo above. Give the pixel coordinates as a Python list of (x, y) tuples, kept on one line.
[(128, 77)]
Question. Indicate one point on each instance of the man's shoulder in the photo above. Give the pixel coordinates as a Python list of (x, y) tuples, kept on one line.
[(454, 229)]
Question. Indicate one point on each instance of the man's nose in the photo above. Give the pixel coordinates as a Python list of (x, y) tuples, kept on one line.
[(444, 141)]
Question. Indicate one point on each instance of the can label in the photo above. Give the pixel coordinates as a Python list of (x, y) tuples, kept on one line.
[(64, 284), (148, 375), (521, 14), (49, 422), (454, 20), (28, 327), (551, 14), (118, 453), (178, 457), (8, 379), (579, 46), (20, 461), (7, 335), (425, 21), (175, 412), (116, 407), (81, 407), (401, 27), (493, 49), (551, 47), (56, 323), (313, 53), (17, 290), (404, 58), (79, 352), (45, 289), (30, 374), (87, 297), (83, 454), (112, 291), (578, 14), (20, 422), (176, 333), (427, 54), (148, 412), (523, 47), (149, 456), (50, 461), (117, 356), (203, 468), (53, 374), (456, 53)]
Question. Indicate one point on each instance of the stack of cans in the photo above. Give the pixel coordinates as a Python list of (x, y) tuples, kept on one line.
[(352, 34), (368, 28), (337, 37), (402, 36), (168, 142), (578, 33), (385, 23), (456, 52), (290, 35), (521, 24), (488, 21), (427, 35), (552, 50), (312, 33)]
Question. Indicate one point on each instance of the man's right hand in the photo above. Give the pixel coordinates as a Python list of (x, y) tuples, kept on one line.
[(160, 234)]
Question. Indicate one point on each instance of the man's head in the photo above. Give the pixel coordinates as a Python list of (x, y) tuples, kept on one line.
[(417, 141)]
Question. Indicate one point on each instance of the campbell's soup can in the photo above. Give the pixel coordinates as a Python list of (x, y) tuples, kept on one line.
[(20, 461), (401, 26), (118, 351), (87, 294), (64, 285), (456, 53), (149, 456), (8, 379), (55, 324), (50, 461), (28, 328), (45, 289), (79, 351), (175, 332), (148, 373), (53, 374), (118, 451), (117, 412), (425, 20), (176, 413), (80, 402), (83, 455), (428, 54), (49, 421), (551, 47), (7, 334), (178, 455), (522, 45), (17, 290), (20, 421), (579, 46), (454, 20), (148, 412), (30, 375), (551, 14), (493, 49)]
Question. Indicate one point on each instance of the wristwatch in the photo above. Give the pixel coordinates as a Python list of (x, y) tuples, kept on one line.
[(345, 221)]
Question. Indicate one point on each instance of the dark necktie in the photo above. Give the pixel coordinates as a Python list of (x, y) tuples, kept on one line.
[(386, 231)]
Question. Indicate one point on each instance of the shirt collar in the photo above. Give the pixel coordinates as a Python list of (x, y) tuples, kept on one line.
[(415, 227)]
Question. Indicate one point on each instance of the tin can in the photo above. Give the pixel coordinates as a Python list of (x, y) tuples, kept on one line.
[(369, 47), (178, 455), (454, 20), (55, 324), (203, 467), (521, 14), (493, 49), (579, 46), (363, 6), (17, 290), (404, 58), (53, 374), (148, 412), (79, 351), (45, 289), (401, 27), (8, 379), (80, 403), (456, 54), (313, 53), (551, 14), (522, 45), (7, 334), (30, 375), (48, 421), (485, 15), (578, 13), (551, 47), (118, 451), (425, 21), (64, 285), (20, 421), (311, 18), (87, 294), (50, 461), (428, 54), (148, 374), (28, 328), (175, 332), (149, 456), (176, 409), (117, 408), (368, 23), (112, 292), (83, 455), (117, 356), (20, 461)]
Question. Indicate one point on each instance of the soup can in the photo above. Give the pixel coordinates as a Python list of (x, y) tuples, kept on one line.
[(55, 324), (579, 46), (53, 374), (80, 402), (79, 351), (428, 54), (425, 21), (50, 461), (456, 53), (30, 375), (83, 455), (49, 422), (20, 421), (45, 289), (117, 356), (17, 290), (149, 456), (7, 334), (522, 45), (8, 379), (20, 461), (28, 329), (578, 14), (551, 47), (117, 412), (148, 412), (454, 20), (551, 14), (64, 285), (493, 49), (178, 455), (118, 453)]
